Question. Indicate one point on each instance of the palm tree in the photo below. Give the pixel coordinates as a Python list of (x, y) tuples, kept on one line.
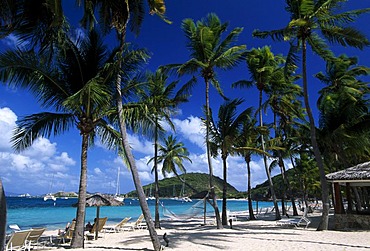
[(117, 14), (2, 215), (246, 145), (283, 98), (161, 101), (344, 115), (209, 51), (262, 65), (171, 155), (316, 23), (77, 86), (223, 135)]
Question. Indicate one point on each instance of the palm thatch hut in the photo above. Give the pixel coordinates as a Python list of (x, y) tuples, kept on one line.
[(98, 200), (351, 190)]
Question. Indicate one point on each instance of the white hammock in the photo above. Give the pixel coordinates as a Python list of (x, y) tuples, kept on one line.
[(193, 211)]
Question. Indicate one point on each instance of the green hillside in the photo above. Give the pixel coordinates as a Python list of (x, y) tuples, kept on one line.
[(197, 185)]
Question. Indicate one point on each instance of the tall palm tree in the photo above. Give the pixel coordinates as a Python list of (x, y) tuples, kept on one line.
[(77, 86), (246, 145), (2, 215), (344, 114), (208, 51), (262, 65), (120, 14), (283, 98), (162, 101), (223, 135), (317, 23)]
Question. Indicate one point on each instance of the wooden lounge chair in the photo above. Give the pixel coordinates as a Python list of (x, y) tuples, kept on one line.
[(68, 234), (18, 241), (297, 222), (34, 236), (138, 224), (96, 228), (118, 227)]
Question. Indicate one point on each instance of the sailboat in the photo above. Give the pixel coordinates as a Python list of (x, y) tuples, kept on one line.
[(150, 197), (182, 197), (117, 195), (50, 196)]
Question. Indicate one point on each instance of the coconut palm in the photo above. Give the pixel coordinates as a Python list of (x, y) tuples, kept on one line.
[(77, 85), (120, 14), (344, 115), (162, 101), (262, 65), (209, 51), (317, 23), (283, 98), (246, 145), (223, 135), (2, 215)]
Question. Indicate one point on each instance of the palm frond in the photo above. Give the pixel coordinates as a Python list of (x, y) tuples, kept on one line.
[(41, 124)]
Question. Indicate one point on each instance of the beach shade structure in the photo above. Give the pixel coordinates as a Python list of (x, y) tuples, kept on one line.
[(98, 200)]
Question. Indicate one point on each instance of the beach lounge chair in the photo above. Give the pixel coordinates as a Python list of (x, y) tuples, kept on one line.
[(118, 227), (14, 227), (68, 234), (297, 222), (18, 241), (138, 224), (34, 236), (96, 228)]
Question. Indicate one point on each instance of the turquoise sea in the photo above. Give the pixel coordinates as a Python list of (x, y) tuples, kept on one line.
[(35, 212)]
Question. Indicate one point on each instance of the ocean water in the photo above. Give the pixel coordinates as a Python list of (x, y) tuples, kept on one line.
[(35, 212)]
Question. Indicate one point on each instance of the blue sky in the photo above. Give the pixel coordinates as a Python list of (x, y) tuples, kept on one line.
[(56, 161)]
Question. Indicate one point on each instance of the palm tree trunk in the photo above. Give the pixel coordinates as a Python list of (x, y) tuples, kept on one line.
[(78, 234), (131, 160), (271, 185), (250, 204), (2, 216), (224, 193), (212, 189), (156, 190), (323, 225)]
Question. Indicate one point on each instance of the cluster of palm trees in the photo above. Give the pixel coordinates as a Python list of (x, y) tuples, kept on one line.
[(99, 92)]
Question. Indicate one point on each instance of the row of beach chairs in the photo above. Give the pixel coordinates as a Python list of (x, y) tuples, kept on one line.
[(24, 239), (30, 238)]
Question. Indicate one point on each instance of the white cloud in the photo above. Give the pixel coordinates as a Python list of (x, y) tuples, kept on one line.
[(192, 129), (7, 124)]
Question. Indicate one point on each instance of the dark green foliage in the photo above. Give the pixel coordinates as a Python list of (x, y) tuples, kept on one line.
[(198, 181)]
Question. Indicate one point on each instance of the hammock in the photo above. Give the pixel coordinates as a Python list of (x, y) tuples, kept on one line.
[(193, 211)]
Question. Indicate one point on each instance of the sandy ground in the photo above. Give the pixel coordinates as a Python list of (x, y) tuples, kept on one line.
[(262, 234)]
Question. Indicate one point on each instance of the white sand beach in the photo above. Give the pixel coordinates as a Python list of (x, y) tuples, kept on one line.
[(262, 234)]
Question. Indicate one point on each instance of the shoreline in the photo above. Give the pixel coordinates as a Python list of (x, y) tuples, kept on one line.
[(262, 234)]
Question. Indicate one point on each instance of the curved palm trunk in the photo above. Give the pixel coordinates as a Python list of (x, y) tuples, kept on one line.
[(78, 234), (156, 192), (323, 225), (212, 189), (288, 186), (224, 193), (131, 160), (2, 216), (271, 185), (250, 204)]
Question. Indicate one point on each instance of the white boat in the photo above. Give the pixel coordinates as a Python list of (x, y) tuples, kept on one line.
[(150, 197), (183, 198), (117, 195), (49, 196)]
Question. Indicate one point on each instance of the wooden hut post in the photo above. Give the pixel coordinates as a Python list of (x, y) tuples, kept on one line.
[(338, 204)]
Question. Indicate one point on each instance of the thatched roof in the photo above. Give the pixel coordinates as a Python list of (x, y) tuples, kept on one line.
[(358, 173), (98, 200)]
